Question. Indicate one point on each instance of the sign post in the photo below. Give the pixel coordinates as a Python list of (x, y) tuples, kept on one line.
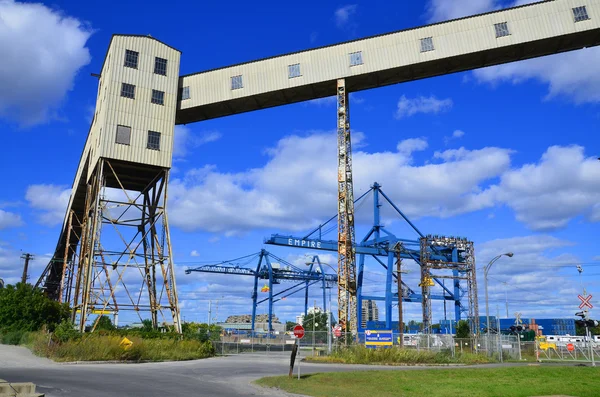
[(299, 334)]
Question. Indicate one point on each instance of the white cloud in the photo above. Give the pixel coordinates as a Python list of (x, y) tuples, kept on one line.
[(408, 146), (9, 219), (326, 101), (50, 201), (441, 10), (571, 74), (11, 264), (409, 107), (42, 51), (547, 195), (294, 192), (343, 14), (186, 140), (538, 277), (194, 253), (457, 134)]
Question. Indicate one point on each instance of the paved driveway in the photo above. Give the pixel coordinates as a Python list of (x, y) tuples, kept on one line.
[(220, 376)]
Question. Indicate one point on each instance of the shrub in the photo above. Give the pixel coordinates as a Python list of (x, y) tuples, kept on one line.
[(25, 308), (13, 337), (65, 331)]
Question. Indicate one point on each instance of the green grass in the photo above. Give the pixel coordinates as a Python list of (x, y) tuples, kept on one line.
[(501, 382), (96, 347), (397, 356)]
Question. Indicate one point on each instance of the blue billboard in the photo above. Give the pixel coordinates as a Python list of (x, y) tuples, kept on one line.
[(378, 338)]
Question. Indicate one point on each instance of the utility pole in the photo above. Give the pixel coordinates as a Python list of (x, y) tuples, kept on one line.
[(314, 320), (400, 297), (506, 297), (27, 258), (209, 312), (588, 334)]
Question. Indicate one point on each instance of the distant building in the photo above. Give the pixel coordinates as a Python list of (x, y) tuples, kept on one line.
[(244, 322), (370, 312)]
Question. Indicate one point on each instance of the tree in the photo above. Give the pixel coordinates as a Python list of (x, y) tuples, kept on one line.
[(147, 325), (201, 331), (289, 325), (104, 323), (463, 330), (25, 308), (320, 320)]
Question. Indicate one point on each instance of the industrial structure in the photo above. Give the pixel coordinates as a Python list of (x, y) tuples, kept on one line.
[(274, 270), (452, 257), (122, 178)]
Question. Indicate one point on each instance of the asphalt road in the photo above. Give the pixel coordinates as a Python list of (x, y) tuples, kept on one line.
[(220, 376)]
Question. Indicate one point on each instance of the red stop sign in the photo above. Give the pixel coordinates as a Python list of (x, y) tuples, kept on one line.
[(299, 331), (570, 347)]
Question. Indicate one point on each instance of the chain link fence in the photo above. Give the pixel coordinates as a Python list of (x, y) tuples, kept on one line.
[(499, 347)]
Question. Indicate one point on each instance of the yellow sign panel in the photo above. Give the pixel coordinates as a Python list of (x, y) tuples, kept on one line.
[(126, 343), (427, 282), (98, 311)]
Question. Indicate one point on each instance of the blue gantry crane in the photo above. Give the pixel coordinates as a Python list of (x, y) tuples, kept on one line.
[(264, 265), (450, 257)]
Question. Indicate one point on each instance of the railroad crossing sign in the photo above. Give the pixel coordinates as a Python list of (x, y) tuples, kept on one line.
[(585, 301), (518, 320), (299, 331)]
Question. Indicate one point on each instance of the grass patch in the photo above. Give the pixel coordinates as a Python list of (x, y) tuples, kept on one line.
[(97, 347), (397, 356), (505, 382)]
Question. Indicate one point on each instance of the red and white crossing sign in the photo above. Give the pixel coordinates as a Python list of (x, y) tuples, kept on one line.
[(585, 301)]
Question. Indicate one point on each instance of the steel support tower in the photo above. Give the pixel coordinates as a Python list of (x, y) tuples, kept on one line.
[(452, 258), (346, 255)]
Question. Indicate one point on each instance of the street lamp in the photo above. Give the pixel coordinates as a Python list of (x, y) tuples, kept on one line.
[(485, 276)]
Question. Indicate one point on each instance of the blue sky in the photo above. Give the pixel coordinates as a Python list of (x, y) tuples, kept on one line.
[(505, 156)]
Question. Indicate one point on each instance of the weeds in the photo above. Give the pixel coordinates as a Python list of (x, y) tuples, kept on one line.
[(103, 346), (398, 356)]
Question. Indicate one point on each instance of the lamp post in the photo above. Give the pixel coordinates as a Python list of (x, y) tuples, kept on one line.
[(487, 309)]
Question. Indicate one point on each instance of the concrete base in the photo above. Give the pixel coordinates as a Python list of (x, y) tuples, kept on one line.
[(21, 389)]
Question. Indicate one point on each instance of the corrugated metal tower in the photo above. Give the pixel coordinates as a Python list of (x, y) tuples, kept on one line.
[(114, 252), (346, 255)]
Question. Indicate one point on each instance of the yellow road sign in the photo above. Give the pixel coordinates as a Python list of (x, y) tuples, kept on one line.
[(126, 343)]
